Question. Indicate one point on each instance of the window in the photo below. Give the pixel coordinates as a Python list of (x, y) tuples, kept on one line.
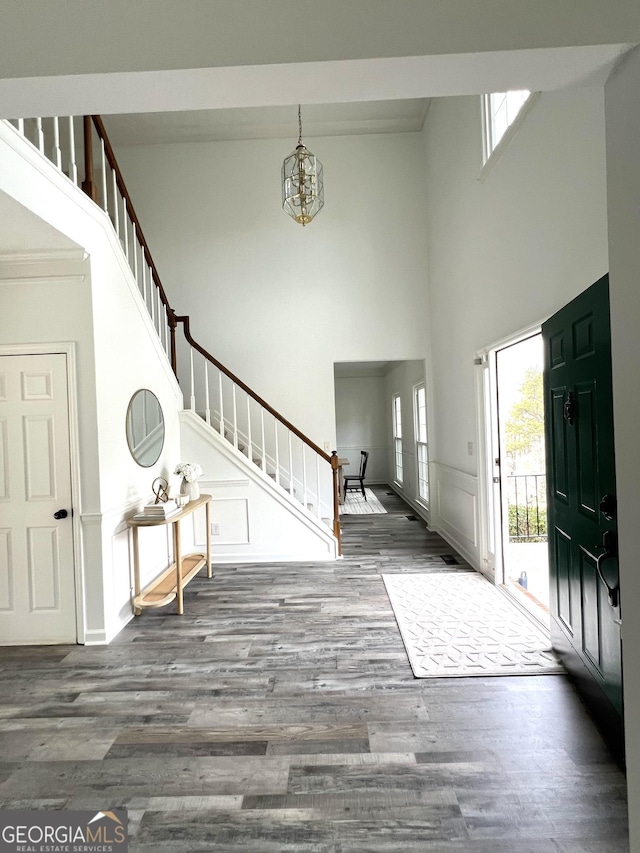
[(420, 404), (397, 436), (499, 112)]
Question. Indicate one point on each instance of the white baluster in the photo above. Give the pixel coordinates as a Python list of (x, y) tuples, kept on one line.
[(40, 135), (207, 409), (275, 435), (57, 152), (318, 511), (290, 464), (125, 222), (116, 206), (159, 311), (144, 283), (103, 173), (73, 166), (135, 251), (250, 447), (193, 383), (264, 452), (235, 417), (21, 125), (221, 403), (304, 479), (152, 299)]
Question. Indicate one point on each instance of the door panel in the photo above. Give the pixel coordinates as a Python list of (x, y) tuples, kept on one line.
[(559, 453), (586, 431), (562, 556), (579, 434), (37, 580)]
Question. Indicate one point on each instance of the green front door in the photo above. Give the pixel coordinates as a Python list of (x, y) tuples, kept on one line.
[(585, 599)]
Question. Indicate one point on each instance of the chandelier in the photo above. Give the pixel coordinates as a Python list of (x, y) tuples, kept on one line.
[(302, 186)]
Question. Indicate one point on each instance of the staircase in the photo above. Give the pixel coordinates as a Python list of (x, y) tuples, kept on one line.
[(221, 410)]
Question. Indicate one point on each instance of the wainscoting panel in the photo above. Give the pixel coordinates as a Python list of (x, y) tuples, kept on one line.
[(454, 510), (377, 464)]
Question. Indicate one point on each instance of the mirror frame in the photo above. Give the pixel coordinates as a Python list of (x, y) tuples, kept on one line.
[(145, 450)]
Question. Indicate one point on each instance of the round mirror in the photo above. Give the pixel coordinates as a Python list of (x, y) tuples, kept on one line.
[(145, 428)]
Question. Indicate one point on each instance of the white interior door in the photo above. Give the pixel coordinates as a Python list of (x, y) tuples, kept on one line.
[(37, 579)]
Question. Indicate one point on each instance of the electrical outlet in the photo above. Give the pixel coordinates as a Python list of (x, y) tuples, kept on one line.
[(215, 528), (470, 448), (327, 445)]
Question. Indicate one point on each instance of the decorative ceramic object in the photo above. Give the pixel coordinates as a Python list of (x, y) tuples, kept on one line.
[(189, 471)]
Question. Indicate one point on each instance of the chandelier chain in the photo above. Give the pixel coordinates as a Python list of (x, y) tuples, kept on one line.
[(299, 125)]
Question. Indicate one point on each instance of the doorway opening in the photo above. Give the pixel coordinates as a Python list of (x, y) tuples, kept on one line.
[(521, 524)]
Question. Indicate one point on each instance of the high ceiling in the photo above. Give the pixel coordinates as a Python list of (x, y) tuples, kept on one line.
[(398, 116)]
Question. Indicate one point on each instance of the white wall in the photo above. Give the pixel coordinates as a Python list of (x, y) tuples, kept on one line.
[(92, 303), (623, 190), (506, 249), (276, 303), (363, 423)]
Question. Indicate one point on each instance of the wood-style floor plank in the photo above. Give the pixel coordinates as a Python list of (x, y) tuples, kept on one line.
[(280, 714)]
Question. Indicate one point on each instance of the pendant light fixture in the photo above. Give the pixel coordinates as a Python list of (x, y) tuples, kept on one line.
[(302, 185)]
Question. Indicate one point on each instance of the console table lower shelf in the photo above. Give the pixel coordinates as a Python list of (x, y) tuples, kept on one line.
[(170, 584)]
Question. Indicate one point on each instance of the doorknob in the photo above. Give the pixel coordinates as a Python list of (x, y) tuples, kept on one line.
[(61, 513), (609, 552)]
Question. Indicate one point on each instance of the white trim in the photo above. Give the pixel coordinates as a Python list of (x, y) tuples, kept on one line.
[(98, 637), (67, 348), (44, 256), (41, 279)]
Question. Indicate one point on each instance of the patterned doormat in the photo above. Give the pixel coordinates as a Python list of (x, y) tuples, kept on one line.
[(355, 504), (457, 624)]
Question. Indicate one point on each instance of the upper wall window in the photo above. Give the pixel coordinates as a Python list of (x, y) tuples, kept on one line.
[(499, 112)]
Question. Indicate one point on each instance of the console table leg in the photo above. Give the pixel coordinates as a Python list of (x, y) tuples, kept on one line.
[(207, 510), (178, 559), (136, 570)]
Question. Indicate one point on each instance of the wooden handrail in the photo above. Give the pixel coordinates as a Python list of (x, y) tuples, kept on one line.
[(111, 159), (187, 333)]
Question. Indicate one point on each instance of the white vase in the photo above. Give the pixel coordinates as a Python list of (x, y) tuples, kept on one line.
[(191, 490)]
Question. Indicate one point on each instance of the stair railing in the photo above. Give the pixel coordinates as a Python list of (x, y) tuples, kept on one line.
[(79, 147), (256, 429)]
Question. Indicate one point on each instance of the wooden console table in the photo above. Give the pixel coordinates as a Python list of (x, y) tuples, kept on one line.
[(171, 583)]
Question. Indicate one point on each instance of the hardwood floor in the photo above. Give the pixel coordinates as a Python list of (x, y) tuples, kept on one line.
[(280, 714)]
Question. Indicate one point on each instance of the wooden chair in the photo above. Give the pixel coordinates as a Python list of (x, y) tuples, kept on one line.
[(358, 478)]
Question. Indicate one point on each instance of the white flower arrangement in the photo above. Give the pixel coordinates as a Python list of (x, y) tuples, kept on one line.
[(189, 471)]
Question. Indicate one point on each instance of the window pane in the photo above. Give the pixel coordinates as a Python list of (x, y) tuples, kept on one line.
[(502, 109)]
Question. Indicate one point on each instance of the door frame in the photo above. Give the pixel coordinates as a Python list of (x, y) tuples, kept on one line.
[(485, 371), (68, 349)]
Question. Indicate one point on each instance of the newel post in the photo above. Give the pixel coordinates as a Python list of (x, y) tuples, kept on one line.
[(89, 186), (336, 510)]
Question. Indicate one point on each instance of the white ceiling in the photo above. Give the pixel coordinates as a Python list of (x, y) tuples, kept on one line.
[(398, 116)]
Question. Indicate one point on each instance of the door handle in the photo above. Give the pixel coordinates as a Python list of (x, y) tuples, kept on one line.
[(609, 552), (61, 513)]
